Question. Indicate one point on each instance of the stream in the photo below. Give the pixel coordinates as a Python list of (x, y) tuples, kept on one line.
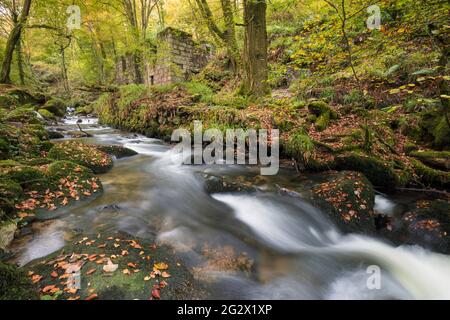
[(297, 253)]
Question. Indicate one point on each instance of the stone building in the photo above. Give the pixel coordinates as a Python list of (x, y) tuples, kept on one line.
[(178, 57)]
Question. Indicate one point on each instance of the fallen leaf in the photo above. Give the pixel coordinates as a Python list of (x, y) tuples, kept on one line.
[(165, 274), (48, 288), (126, 271), (156, 294), (54, 274), (36, 278), (161, 266), (91, 271), (110, 267), (92, 297)]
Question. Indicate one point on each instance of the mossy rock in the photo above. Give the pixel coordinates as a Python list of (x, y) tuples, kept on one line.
[(442, 134), (22, 115), (7, 101), (53, 135), (318, 108), (431, 177), (323, 121), (10, 193), (348, 198), (56, 106), (283, 124), (36, 130), (223, 184), (379, 173), (428, 225), (85, 110), (46, 114), (82, 154), (436, 159), (15, 285), (435, 128), (30, 178), (64, 169), (117, 151), (130, 280)]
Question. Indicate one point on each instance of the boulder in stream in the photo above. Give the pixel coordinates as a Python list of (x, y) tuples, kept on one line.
[(117, 151), (428, 225), (82, 154), (348, 198)]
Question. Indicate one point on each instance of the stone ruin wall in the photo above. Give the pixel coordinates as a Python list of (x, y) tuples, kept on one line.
[(178, 58)]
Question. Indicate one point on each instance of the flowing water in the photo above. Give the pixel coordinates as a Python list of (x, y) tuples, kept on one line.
[(297, 252)]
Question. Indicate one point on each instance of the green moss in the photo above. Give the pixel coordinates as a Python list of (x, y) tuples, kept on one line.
[(300, 147), (56, 106), (30, 178), (319, 108), (379, 173), (22, 115), (284, 125), (82, 154), (8, 101), (36, 130), (64, 169), (46, 114), (117, 151), (10, 193), (201, 92), (15, 285), (323, 121), (86, 110), (430, 176), (442, 134)]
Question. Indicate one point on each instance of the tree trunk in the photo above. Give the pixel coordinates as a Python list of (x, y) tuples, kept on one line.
[(20, 62), (255, 48), (64, 69), (13, 39), (227, 37), (230, 35), (137, 61)]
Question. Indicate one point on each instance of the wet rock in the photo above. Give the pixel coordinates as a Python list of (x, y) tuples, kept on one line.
[(55, 135), (348, 198), (113, 207), (428, 225), (222, 184), (78, 134), (117, 151), (7, 231)]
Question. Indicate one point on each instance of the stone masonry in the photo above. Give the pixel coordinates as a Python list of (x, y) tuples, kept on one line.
[(178, 57)]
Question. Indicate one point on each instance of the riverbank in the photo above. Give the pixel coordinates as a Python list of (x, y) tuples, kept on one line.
[(218, 223)]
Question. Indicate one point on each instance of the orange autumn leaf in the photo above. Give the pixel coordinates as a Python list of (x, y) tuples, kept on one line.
[(92, 297)]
